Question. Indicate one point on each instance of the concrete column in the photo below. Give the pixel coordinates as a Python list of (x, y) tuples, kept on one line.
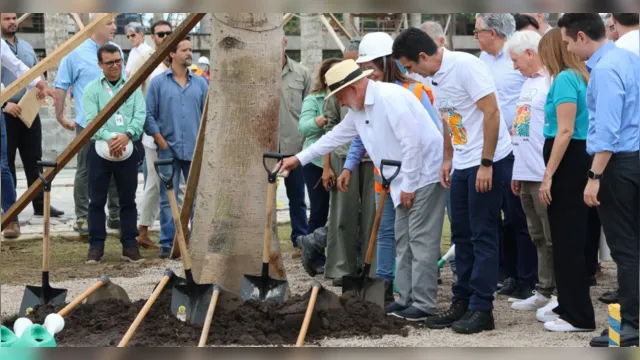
[(346, 22), (206, 24), (311, 40), (415, 19)]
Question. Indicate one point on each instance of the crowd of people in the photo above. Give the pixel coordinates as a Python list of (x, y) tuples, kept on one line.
[(529, 149)]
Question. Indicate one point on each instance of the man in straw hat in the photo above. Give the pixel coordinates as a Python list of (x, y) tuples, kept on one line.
[(394, 125)]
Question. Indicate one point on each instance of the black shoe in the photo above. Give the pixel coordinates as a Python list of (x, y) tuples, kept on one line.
[(523, 292), (446, 319), (627, 338), (388, 292), (610, 297), (474, 321), (336, 282), (165, 253), (593, 281), (94, 256), (395, 307), (54, 212), (113, 224), (411, 314), (509, 287)]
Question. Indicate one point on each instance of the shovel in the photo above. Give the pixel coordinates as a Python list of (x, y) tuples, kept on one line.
[(45, 294), (189, 301), (263, 287), (371, 289)]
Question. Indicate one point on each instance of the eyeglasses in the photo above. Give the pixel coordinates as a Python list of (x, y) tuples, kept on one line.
[(113, 63), (612, 28), (477, 31), (163, 34)]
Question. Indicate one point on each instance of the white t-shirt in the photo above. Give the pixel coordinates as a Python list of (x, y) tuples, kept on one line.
[(462, 80), (147, 140), (630, 41), (526, 133)]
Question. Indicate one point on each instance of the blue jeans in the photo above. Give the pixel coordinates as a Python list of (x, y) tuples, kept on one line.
[(167, 227), (474, 231), (297, 206), (452, 262), (386, 252), (8, 187)]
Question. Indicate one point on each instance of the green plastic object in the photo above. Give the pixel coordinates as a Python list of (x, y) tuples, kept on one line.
[(7, 337), (35, 336)]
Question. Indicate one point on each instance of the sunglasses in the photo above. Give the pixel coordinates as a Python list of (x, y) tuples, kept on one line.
[(131, 36), (113, 63), (163, 34)]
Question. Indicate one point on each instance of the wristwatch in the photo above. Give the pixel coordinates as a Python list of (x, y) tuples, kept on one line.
[(592, 175), (486, 162)]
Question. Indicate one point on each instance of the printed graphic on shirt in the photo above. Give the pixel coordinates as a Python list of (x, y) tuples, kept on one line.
[(520, 126), (457, 131)]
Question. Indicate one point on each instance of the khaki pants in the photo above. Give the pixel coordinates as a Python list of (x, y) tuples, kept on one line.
[(538, 224)]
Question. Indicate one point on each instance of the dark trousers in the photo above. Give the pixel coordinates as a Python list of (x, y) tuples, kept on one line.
[(620, 215), (125, 176), (319, 199), (593, 241), (518, 253), (294, 184), (28, 141), (474, 231), (568, 216)]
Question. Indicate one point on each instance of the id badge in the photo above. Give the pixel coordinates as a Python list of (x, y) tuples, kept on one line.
[(119, 120)]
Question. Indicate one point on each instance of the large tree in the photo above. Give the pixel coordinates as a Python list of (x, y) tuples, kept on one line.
[(56, 32), (242, 124)]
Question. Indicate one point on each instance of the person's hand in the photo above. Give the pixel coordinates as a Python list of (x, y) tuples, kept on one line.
[(484, 178), (591, 193), (328, 178), (114, 151), (544, 193), (343, 180), (445, 174), (45, 89), (13, 109), (406, 199), (515, 187), (289, 164), (69, 125), (119, 142), (162, 144), (320, 121)]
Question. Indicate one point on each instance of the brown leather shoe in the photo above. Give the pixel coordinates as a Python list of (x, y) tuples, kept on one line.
[(146, 243), (132, 255), (12, 231), (296, 253), (95, 255)]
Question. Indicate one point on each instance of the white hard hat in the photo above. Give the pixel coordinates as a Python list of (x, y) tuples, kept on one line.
[(203, 60), (102, 148), (373, 46)]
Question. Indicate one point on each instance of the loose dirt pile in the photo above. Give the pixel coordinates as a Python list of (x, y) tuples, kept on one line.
[(253, 323)]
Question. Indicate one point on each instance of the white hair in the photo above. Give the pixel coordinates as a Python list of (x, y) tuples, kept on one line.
[(523, 40), (504, 24), (434, 30)]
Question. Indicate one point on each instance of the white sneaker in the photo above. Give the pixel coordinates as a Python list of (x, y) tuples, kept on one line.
[(532, 303), (560, 325), (546, 313)]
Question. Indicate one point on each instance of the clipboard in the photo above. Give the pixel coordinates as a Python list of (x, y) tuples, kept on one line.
[(30, 106)]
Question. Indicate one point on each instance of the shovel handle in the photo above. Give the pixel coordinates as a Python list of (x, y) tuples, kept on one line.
[(168, 181), (268, 231), (271, 155), (308, 314), (175, 212), (67, 309), (46, 236), (386, 182), (209, 318), (134, 326), (42, 165)]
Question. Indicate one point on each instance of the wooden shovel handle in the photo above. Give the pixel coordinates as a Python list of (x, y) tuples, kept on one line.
[(67, 309), (376, 226), (209, 319), (307, 315), (134, 326), (46, 236), (266, 251), (175, 212)]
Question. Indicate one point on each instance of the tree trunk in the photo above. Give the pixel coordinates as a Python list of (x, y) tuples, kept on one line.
[(55, 34), (415, 19), (311, 40), (229, 219)]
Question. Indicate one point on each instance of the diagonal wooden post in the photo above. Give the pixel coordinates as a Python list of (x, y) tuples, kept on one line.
[(78, 21), (23, 17), (342, 28), (112, 106)]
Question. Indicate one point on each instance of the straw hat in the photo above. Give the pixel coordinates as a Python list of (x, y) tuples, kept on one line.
[(342, 75)]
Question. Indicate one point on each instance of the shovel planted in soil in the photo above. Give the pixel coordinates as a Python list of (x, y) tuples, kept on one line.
[(371, 289), (264, 288), (104, 289), (320, 300), (189, 301), (45, 294)]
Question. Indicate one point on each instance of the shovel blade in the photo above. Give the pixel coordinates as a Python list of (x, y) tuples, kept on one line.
[(190, 302), (263, 288), (109, 291), (39, 295), (369, 289)]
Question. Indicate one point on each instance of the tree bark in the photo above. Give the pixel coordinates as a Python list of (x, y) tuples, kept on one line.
[(229, 219), (55, 34), (311, 40)]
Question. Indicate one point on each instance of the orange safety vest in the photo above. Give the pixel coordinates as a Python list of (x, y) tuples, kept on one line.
[(417, 91)]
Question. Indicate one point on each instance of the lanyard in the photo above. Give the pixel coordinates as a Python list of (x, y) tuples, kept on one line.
[(110, 94)]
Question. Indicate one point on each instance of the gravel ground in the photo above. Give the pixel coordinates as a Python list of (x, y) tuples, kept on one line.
[(513, 328)]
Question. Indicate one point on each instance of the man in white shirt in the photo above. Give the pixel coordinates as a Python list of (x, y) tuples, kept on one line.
[(465, 94), (629, 31), (394, 125), (140, 51)]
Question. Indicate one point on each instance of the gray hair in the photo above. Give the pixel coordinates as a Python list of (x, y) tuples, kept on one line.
[(353, 45), (523, 40), (504, 24), (434, 30), (135, 26)]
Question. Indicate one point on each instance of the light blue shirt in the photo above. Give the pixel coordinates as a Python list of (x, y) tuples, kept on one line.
[(23, 51), (508, 83), (357, 150), (613, 99), (79, 68), (175, 111)]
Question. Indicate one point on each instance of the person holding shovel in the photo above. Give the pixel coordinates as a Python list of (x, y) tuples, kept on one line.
[(393, 124), (112, 154)]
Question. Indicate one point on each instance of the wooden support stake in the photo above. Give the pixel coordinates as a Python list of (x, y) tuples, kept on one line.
[(23, 17), (332, 32), (77, 19), (342, 29), (191, 187), (112, 106), (54, 58)]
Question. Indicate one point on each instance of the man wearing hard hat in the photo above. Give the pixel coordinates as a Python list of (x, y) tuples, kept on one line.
[(202, 68)]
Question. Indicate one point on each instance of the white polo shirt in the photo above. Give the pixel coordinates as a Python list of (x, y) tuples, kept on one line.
[(462, 80), (630, 41), (393, 125)]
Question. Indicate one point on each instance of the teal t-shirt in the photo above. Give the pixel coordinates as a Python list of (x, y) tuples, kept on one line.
[(568, 87)]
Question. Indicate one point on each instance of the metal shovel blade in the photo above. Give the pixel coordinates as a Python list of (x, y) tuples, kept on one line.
[(109, 291), (369, 289), (190, 301), (41, 295), (263, 288)]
